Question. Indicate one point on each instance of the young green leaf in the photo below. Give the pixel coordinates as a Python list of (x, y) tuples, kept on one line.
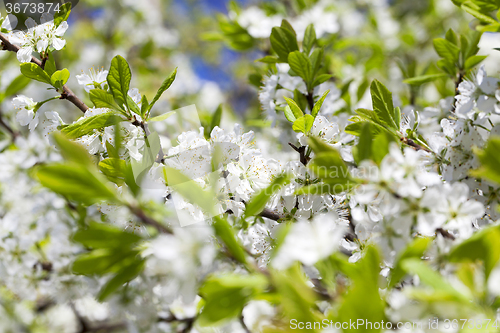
[(126, 275), (472, 61), (383, 106), (103, 99), (216, 118), (490, 160), (303, 124), (415, 249), (289, 114), (164, 86), (50, 65), (297, 112), (363, 150), (309, 39), (446, 50), (119, 78), (226, 295), (283, 42), (87, 125), (318, 104), (161, 117), (301, 65), (481, 246), (419, 80), (63, 14), (35, 72), (18, 84), (258, 202), (76, 182), (59, 78)]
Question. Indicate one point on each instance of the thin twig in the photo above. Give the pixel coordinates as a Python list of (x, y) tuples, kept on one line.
[(141, 215), (304, 159), (66, 94), (13, 133)]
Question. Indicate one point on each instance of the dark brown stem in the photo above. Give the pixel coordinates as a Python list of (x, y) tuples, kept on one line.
[(141, 215), (66, 94), (415, 145), (445, 234), (267, 213), (304, 159)]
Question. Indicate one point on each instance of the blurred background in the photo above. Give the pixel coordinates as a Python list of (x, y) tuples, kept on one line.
[(214, 44)]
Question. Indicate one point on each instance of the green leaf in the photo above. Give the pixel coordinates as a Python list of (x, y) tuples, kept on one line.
[(301, 65), (433, 279), (87, 125), (297, 112), (50, 65), (76, 182), (447, 66), (268, 60), (318, 104), (164, 86), (316, 58), (380, 145), (226, 295), (18, 84), (113, 169), (226, 233), (190, 190), (72, 151), (383, 106), (482, 246), (35, 72), (126, 275), (258, 202), (119, 78), (103, 99), (287, 26), (216, 118), (105, 236), (490, 160), (415, 249), (446, 50), (363, 149), (289, 114), (309, 39), (162, 117), (303, 124), (363, 299), (144, 106), (477, 14), (419, 80), (472, 61), (451, 36), (283, 41), (59, 78), (321, 79), (96, 262), (63, 14), (327, 163)]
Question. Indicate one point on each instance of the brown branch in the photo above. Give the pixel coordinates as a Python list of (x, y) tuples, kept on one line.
[(141, 215), (415, 145), (267, 213), (66, 94), (304, 159), (445, 233)]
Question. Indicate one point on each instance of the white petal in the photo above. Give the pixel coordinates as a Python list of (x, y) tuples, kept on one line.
[(61, 29), (24, 54), (10, 22), (58, 43), (30, 23)]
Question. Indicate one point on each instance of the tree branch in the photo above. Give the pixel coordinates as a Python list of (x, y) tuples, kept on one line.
[(13, 133), (66, 94), (141, 215)]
